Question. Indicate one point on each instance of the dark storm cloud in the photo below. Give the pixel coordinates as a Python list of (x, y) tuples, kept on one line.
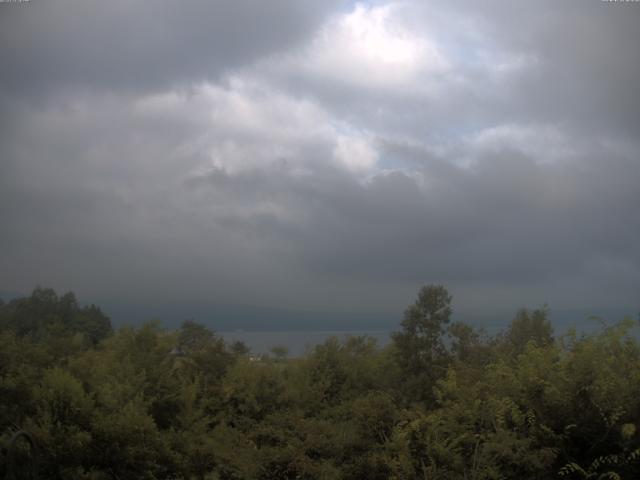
[(506, 220), (297, 155), (121, 44)]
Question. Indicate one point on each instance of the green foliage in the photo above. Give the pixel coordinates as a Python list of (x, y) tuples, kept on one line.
[(45, 316), (420, 347), (442, 401), (528, 327)]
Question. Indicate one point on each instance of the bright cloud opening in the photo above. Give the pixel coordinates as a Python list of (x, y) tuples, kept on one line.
[(371, 46)]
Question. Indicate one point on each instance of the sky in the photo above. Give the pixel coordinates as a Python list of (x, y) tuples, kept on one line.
[(322, 156)]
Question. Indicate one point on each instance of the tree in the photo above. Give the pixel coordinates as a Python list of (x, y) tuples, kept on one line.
[(193, 336), (43, 313), (93, 323), (239, 348), (421, 352), (468, 345), (280, 353), (529, 327)]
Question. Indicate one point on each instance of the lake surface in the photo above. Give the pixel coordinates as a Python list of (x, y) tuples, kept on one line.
[(298, 342)]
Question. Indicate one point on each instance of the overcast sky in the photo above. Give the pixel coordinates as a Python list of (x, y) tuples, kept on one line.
[(322, 155)]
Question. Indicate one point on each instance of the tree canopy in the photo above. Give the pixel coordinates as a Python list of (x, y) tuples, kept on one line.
[(442, 401)]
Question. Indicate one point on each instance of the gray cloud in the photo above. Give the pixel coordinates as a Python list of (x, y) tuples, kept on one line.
[(553, 62), (321, 157), (507, 220), (121, 45)]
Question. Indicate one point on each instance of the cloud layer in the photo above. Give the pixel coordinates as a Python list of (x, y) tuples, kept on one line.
[(320, 158)]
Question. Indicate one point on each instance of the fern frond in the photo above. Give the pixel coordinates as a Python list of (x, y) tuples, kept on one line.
[(571, 468)]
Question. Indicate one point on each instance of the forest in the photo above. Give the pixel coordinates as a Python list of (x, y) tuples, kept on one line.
[(443, 400)]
